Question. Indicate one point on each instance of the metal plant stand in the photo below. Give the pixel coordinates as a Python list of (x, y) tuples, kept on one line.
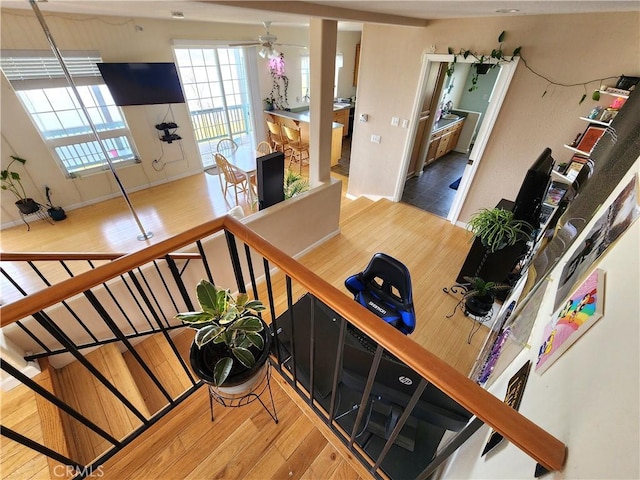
[(254, 392), (41, 213), (462, 288)]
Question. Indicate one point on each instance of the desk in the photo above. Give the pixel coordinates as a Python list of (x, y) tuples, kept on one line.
[(244, 159)]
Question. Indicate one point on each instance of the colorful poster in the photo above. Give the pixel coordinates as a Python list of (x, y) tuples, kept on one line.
[(583, 308)]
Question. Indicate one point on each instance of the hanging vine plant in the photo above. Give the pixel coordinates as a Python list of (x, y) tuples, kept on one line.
[(483, 62), (280, 84)]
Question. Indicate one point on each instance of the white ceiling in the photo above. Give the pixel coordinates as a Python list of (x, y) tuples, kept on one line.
[(229, 13)]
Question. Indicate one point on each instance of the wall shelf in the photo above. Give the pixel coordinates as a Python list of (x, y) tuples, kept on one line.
[(579, 152), (597, 122)]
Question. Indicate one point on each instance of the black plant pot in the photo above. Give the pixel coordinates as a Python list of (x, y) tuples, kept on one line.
[(56, 213), (27, 206), (479, 306), (483, 68), (204, 359)]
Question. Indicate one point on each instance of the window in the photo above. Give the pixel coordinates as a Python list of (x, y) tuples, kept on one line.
[(305, 78), (215, 85), (54, 109)]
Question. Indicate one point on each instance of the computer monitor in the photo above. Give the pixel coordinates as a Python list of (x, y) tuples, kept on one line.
[(528, 202)]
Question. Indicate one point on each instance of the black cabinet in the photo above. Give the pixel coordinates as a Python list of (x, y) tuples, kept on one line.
[(492, 266), (270, 179)]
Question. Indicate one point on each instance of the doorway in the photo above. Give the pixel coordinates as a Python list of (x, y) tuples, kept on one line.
[(439, 179)]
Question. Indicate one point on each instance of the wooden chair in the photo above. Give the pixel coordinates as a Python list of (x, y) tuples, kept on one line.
[(232, 176), (226, 146), (278, 140), (264, 148), (299, 149)]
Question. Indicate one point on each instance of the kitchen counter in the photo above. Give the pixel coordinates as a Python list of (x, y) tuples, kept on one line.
[(301, 120), (444, 123)]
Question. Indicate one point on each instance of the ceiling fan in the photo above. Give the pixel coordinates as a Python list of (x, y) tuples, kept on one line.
[(266, 42)]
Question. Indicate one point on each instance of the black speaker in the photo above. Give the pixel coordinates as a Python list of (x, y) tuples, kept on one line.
[(270, 179)]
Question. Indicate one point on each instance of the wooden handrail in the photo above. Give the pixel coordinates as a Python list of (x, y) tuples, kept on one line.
[(77, 256), (529, 437), (68, 288)]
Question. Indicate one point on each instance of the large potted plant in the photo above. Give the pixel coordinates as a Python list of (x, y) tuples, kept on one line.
[(12, 183), (480, 295), (496, 228), (232, 343), (294, 184)]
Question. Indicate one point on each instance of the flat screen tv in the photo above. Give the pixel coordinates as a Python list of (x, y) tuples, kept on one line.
[(533, 190), (142, 83)]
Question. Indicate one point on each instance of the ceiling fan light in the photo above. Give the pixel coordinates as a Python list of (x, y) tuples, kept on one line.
[(274, 53), (264, 52)]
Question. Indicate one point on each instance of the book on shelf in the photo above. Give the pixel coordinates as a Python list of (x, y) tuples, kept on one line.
[(555, 193)]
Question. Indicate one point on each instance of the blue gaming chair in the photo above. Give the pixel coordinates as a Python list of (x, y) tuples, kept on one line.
[(384, 287)]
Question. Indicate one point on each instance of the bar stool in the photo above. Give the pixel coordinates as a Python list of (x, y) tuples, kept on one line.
[(278, 141), (299, 149)]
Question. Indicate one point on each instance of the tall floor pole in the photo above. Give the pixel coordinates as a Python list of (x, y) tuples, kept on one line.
[(143, 235)]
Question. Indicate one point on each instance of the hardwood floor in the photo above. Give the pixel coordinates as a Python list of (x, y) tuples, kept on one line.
[(245, 443)]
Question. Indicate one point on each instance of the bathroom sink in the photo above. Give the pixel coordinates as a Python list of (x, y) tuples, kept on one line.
[(450, 116)]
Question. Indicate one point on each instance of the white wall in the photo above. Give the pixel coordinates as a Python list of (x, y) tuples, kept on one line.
[(588, 398), (559, 46)]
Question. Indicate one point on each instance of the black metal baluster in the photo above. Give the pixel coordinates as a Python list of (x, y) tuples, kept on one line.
[(336, 373), (152, 294), (205, 263), (43, 392), (135, 299), (164, 332), (401, 421), (176, 278), (38, 447), (179, 283), (66, 305), (235, 261), (44, 320), (450, 447), (293, 332), (312, 349), (365, 395), (33, 337), (118, 333), (252, 277)]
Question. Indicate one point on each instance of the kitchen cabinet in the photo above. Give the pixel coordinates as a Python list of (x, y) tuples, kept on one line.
[(342, 116), (443, 139)]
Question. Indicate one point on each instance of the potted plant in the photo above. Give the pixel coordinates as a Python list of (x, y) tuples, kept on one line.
[(12, 183), (232, 342), (496, 228), (294, 184), (480, 295), (268, 104)]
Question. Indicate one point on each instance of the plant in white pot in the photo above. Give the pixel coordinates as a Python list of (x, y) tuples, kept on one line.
[(496, 228), (232, 342), (12, 183)]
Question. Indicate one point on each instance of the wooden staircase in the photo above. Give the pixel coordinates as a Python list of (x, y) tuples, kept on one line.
[(33, 416)]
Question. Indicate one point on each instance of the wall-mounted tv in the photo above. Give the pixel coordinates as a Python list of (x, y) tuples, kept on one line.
[(142, 83)]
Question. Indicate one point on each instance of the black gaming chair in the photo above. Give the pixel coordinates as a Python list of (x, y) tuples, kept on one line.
[(384, 287)]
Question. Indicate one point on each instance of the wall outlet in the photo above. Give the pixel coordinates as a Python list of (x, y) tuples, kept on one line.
[(405, 123), (395, 121), (375, 138), (364, 117)]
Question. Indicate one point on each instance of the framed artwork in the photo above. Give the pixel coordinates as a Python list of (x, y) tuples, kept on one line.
[(513, 398), (612, 223), (584, 307), (590, 137)]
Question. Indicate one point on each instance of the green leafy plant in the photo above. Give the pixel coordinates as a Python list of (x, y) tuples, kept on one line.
[(497, 228), (479, 288), (483, 62), (294, 184), (11, 180), (229, 320)]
